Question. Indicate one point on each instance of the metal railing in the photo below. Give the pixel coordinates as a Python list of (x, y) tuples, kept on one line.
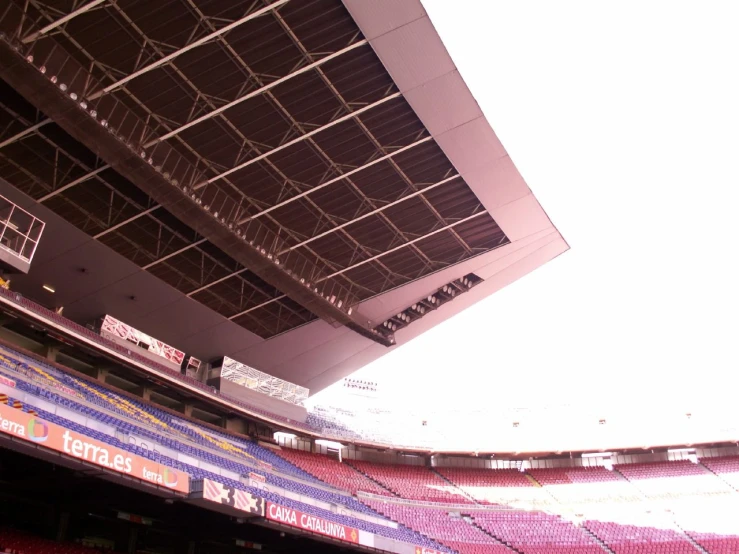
[(20, 231)]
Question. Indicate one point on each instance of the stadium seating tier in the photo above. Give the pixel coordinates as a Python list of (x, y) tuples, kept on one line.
[(482, 516)]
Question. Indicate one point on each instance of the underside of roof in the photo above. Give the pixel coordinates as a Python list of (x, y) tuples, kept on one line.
[(296, 184), (291, 131)]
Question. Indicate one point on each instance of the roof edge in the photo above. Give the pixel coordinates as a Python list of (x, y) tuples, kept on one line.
[(408, 45)]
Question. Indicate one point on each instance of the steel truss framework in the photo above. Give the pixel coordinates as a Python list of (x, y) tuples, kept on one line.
[(282, 106), (131, 224)]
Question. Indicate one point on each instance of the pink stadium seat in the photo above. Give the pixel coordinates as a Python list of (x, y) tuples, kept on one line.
[(413, 482), (331, 471), (678, 480), (726, 468), (586, 485), (717, 544), (454, 532), (633, 539), (537, 532), (499, 486)]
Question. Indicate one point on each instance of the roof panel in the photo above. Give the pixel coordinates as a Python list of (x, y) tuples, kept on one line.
[(453, 200), (381, 182), (264, 47), (165, 93), (260, 121), (425, 163), (259, 182), (482, 233), (224, 9), (346, 144), (413, 217), (165, 21), (394, 124), (319, 25), (215, 73), (301, 164), (359, 77), (309, 99)]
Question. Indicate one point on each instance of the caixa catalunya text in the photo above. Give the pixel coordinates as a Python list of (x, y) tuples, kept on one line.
[(305, 521)]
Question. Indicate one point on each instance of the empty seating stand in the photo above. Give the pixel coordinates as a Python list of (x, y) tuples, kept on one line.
[(586, 485), (453, 531), (679, 480), (189, 439), (537, 532), (641, 539), (726, 468), (331, 471), (501, 510), (413, 482), (508, 487)]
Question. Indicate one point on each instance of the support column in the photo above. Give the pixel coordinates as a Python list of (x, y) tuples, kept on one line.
[(236, 424), (133, 537), (188, 410), (146, 394), (102, 374), (61, 530), (51, 353)]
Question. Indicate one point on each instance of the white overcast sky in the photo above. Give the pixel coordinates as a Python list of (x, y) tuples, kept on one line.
[(623, 118)]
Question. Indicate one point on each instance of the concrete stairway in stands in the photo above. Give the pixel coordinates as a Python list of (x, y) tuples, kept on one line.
[(535, 482), (672, 519), (462, 491), (597, 539), (695, 543), (363, 474), (718, 475), (497, 539)]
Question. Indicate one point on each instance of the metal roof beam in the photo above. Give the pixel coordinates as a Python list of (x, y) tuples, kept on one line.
[(258, 92), (192, 45), (224, 278), (368, 134), (82, 179), (335, 179), (368, 260), (303, 133), (63, 20), (373, 212), (115, 6), (288, 144), (24, 132), (126, 222), (175, 253), (338, 170), (334, 229), (404, 245)]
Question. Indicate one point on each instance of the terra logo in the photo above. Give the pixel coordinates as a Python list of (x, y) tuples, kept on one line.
[(38, 431), (170, 477)]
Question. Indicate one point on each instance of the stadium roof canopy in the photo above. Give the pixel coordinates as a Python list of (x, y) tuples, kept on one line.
[(300, 185)]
